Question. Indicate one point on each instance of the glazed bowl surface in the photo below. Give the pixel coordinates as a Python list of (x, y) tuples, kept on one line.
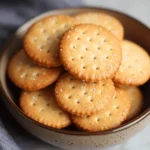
[(70, 138)]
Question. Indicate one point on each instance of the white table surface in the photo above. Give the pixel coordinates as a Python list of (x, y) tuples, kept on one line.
[(139, 9)]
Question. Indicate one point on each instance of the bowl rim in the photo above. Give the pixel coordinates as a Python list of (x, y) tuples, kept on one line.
[(64, 131)]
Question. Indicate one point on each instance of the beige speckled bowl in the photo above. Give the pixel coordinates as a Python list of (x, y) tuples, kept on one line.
[(70, 138)]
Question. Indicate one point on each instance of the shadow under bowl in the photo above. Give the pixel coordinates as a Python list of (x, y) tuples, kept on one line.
[(70, 138)]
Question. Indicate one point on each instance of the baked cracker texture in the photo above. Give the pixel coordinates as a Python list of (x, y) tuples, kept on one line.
[(90, 53), (105, 20), (81, 98), (41, 42), (27, 75), (135, 66), (110, 117), (136, 101), (41, 106)]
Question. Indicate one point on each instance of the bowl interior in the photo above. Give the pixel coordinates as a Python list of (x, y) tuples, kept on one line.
[(134, 31)]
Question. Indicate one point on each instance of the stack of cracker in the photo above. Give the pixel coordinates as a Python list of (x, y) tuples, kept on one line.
[(80, 70)]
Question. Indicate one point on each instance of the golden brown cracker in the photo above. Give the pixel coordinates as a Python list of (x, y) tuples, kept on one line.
[(27, 75), (111, 116), (135, 66), (90, 52), (105, 20), (136, 101), (82, 98), (42, 39), (41, 106)]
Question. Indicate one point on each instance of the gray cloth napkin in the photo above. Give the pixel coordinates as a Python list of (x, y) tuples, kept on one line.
[(6, 140), (13, 13)]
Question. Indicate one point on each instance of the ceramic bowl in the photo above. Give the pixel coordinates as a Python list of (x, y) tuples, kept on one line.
[(70, 138)]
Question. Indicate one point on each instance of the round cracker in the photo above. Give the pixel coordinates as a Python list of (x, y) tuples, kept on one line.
[(42, 107), (136, 101), (105, 20), (135, 66), (111, 116), (42, 40), (82, 98), (28, 76), (90, 52)]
